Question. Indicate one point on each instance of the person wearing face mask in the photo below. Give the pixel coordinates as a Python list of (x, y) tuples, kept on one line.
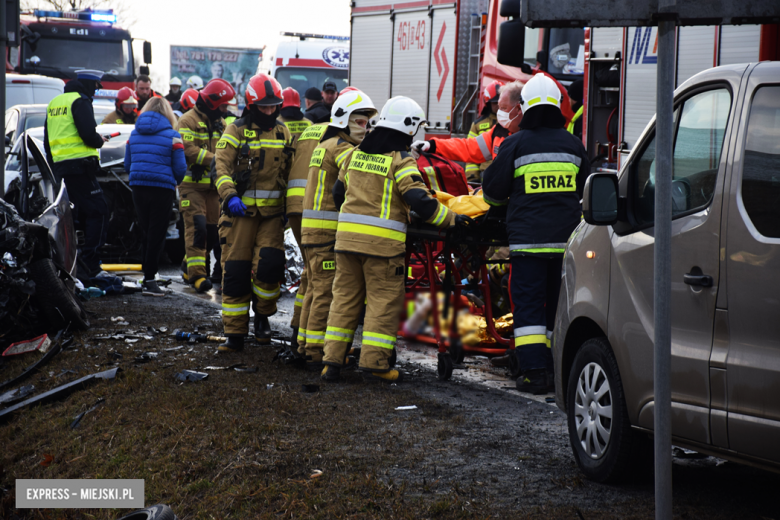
[(484, 147), (378, 187), (539, 173), (252, 165), (349, 117), (200, 129), (486, 121)]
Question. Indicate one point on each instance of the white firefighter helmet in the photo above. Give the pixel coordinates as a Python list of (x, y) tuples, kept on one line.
[(539, 90), (402, 114), (175, 81), (350, 102), (195, 82)]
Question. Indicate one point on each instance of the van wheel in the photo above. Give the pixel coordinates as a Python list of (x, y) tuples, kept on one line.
[(57, 303), (605, 447)]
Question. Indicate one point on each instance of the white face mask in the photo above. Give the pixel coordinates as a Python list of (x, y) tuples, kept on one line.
[(504, 119)]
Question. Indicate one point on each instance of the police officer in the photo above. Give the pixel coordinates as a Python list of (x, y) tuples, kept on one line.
[(291, 114), (200, 129), (539, 172), (252, 166), (71, 143), (126, 106), (349, 119), (486, 121), (375, 190)]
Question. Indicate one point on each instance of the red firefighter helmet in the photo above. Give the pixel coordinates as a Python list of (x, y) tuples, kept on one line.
[(491, 91), (263, 90), (217, 92), (126, 96), (291, 98), (188, 99), (348, 89)]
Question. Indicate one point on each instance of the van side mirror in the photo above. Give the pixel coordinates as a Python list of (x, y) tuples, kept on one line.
[(510, 8), (600, 199), (511, 43), (147, 52)]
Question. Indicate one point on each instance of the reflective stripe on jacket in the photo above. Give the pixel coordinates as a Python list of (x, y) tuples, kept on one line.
[(479, 127), (200, 139), (265, 155), (380, 191), (475, 150), (540, 173), (304, 146), (64, 139), (317, 229), (296, 127)]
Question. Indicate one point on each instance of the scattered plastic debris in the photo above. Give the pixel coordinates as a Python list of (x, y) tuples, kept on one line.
[(77, 419), (60, 391), (17, 394), (146, 357), (53, 351), (117, 318), (294, 263), (47, 460), (269, 386), (41, 343), (174, 348), (193, 337), (316, 473), (128, 340), (412, 407), (191, 375)]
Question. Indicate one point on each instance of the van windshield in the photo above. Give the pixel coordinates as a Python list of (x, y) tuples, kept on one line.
[(301, 78)]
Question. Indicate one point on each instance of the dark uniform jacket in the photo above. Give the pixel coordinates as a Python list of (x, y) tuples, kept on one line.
[(540, 173), (318, 113)]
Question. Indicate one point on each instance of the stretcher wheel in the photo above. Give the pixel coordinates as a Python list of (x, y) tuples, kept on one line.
[(456, 351), (514, 364), (444, 367)]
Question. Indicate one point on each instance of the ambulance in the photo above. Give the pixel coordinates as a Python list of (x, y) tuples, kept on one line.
[(309, 60)]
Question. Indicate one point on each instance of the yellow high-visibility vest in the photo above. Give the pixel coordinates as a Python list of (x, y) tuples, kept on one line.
[(64, 139)]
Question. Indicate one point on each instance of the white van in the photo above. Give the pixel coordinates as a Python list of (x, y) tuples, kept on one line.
[(30, 89)]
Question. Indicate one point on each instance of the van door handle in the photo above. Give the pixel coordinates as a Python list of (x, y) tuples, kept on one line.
[(702, 280)]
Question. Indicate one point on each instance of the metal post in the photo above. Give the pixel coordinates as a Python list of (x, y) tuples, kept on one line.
[(3, 36), (662, 358)]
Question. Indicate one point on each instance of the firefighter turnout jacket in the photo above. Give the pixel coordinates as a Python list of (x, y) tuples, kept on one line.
[(380, 191), (479, 127), (254, 164), (200, 137), (540, 174), (475, 150), (299, 173), (296, 127), (320, 214), (115, 118)]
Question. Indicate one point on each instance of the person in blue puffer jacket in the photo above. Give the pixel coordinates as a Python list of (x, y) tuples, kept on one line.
[(155, 161)]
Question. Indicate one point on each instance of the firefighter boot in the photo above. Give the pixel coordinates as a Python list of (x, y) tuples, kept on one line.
[(202, 285), (233, 344), (391, 376), (532, 382), (330, 373), (184, 275), (262, 329)]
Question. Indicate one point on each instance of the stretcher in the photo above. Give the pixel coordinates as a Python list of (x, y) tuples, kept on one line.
[(460, 253)]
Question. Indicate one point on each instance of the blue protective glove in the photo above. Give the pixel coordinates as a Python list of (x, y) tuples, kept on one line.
[(236, 207)]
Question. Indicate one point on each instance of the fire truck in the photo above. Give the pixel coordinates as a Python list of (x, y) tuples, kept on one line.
[(58, 43), (618, 66)]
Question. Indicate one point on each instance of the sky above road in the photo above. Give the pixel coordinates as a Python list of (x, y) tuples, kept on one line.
[(229, 23)]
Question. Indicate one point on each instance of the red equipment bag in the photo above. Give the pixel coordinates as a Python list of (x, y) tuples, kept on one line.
[(441, 174)]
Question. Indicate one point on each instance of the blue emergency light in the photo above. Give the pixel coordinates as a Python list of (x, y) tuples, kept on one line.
[(84, 16)]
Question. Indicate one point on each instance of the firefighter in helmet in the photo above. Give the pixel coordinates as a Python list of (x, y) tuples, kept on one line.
[(200, 129), (350, 115), (188, 99), (377, 187), (291, 114), (126, 105), (252, 166)]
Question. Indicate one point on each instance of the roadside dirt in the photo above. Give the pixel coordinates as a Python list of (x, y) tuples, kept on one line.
[(252, 444)]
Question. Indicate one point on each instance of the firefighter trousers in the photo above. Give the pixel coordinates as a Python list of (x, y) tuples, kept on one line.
[(534, 284), (321, 266), (253, 266), (295, 225), (384, 302), (200, 210)]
